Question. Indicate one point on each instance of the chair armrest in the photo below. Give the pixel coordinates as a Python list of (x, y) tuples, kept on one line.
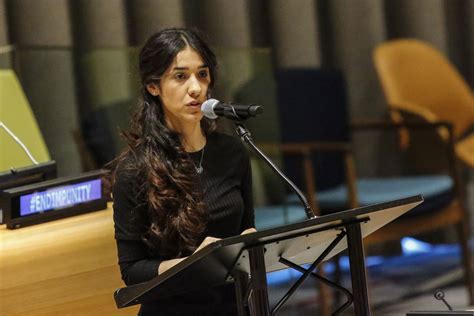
[(444, 128), (305, 149), (383, 124), (449, 139), (403, 126)]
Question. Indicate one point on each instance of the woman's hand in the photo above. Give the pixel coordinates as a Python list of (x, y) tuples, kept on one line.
[(249, 231), (208, 240), (168, 264)]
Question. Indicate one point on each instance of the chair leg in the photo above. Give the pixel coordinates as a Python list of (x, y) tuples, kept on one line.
[(463, 231)]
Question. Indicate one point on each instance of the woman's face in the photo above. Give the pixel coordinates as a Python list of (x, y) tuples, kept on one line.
[(183, 88)]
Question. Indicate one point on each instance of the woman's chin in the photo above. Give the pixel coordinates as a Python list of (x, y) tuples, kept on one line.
[(193, 117)]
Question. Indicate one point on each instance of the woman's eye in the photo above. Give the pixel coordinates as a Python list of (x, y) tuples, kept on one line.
[(203, 74), (180, 76)]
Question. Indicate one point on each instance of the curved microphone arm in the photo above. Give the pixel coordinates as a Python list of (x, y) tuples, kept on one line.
[(244, 134)]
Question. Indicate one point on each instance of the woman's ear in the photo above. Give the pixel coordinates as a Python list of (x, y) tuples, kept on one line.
[(153, 89)]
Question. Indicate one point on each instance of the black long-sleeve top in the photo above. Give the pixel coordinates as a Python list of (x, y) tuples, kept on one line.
[(227, 187)]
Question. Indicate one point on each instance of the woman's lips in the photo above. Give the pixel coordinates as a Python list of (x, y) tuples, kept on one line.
[(194, 104)]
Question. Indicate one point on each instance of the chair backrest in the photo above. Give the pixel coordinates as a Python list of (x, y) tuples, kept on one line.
[(313, 107), (16, 114), (416, 78)]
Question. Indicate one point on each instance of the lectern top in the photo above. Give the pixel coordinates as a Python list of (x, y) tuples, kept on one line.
[(300, 242)]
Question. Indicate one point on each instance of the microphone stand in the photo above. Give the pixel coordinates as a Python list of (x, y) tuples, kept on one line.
[(244, 134), (256, 254)]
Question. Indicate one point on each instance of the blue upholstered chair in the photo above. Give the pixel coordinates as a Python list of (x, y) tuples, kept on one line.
[(316, 144)]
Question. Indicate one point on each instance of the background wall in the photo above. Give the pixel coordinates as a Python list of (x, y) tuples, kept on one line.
[(4, 49), (76, 59)]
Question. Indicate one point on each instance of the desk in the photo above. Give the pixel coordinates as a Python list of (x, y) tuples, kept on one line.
[(64, 267)]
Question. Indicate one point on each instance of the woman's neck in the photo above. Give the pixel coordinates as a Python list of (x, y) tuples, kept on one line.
[(192, 138), (192, 135)]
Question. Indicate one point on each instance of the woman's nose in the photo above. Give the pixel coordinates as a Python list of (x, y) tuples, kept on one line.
[(194, 86)]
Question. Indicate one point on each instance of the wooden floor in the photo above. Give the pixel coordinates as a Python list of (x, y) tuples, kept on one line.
[(63, 267)]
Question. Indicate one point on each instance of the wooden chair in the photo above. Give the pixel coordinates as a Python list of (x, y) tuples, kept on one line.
[(419, 82), (315, 124)]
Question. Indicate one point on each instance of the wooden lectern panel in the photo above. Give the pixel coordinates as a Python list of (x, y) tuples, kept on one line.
[(64, 267)]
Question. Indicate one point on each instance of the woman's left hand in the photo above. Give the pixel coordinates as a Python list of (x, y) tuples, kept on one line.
[(249, 231), (207, 241)]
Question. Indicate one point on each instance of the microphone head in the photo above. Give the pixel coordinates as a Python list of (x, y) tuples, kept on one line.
[(439, 295), (255, 110), (207, 108)]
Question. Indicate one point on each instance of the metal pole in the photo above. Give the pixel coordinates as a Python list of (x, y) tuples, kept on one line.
[(259, 297), (241, 282), (358, 275)]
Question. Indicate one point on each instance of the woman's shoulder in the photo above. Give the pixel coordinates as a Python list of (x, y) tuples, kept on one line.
[(126, 172), (129, 186)]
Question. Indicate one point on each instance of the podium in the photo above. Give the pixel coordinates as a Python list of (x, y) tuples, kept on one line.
[(246, 259)]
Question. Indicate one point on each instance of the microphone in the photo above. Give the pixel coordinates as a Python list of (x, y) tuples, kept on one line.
[(439, 295), (213, 108)]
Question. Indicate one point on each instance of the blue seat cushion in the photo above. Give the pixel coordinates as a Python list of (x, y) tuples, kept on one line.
[(437, 191)]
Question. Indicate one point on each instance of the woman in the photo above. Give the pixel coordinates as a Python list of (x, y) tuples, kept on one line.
[(179, 185)]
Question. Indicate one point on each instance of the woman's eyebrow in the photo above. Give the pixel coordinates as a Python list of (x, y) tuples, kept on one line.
[(186, 68)]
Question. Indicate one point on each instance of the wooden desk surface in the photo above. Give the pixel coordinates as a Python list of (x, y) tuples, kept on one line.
[(65, 267)]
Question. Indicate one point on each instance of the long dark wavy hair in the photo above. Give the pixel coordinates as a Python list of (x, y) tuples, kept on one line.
[(176, 216)]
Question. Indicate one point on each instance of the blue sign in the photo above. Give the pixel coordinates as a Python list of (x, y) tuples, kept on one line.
[(60, 197)]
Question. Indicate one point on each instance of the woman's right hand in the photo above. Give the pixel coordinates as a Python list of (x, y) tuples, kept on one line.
[(168, 264), (208, 240)]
